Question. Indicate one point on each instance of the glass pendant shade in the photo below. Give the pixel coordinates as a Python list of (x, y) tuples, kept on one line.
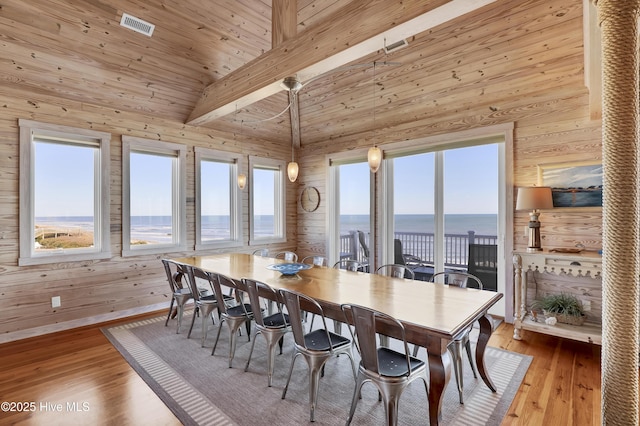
[(242, 181), (374, 157), (292, 171)]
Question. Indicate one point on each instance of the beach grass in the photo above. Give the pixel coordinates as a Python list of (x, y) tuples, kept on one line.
[(49, 237)]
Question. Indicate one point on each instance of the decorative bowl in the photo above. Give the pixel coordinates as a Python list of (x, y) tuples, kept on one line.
[(289, 268)]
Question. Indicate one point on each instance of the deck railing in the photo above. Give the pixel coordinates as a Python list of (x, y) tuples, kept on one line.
[(421, 245)]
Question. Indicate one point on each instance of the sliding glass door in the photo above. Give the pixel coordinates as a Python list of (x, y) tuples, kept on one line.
[(350, 212), (441, 210)]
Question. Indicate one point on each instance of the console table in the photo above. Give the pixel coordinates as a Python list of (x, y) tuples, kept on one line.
[(584, 265)]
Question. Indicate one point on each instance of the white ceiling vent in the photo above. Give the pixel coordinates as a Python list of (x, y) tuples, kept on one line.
[(137, 24), (395, 46)]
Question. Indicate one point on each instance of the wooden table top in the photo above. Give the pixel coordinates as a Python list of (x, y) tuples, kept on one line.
[(441, 309)]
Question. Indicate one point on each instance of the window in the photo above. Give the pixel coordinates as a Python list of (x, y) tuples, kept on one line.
[(350, 209), (445, 192), (64, 187), (267, 219), (153, 196), (218, 201)]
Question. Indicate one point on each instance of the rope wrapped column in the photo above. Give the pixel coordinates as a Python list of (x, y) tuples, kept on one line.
[(621, 225)]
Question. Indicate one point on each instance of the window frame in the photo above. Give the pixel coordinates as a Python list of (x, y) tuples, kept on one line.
[(333, 161), (179, 197), (31, 130), (502, 134), (280, 204), (235, 193)]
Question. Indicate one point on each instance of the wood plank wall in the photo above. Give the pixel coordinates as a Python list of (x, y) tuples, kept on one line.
[(526, 67), (108, 288), (520, 64)]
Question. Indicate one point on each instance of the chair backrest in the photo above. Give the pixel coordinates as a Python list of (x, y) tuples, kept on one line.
[(316, 260), (218, 281), (364, 329), (291, 300), (348, 264), (289, 256), (259, 303), (457, 279), (483, 263), (398, 257), (363, 244), (396, 271), (196, 275), (264, 252), (176, 273)]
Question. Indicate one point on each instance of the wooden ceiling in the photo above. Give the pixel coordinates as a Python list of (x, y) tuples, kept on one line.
[(76, 51)]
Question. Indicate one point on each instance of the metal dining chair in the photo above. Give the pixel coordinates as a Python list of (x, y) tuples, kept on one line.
[(462, 280), (316, 346), (205, 301), (273, 327), (289, 256), (180, 294), (320, 261), (389, 370), (264, 252), (396, 271), (349, 265), (233, 316)]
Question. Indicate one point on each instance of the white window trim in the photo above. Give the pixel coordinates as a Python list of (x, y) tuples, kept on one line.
[(280, 207), (102, 249), (206, 154), (179, 178), (333, 203), (502, 133)]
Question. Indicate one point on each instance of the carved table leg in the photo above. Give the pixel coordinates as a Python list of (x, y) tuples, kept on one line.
[(439, 374), (483, 339)]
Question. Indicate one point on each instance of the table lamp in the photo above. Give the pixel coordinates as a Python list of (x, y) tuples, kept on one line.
[(534, 198)]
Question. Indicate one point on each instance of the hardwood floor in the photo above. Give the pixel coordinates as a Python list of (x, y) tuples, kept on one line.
[(80, 366)]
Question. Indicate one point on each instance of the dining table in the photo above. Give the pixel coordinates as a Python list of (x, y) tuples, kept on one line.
[(432, 314)]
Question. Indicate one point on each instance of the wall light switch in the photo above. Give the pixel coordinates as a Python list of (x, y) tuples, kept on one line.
[(586, 305), (55, 302)]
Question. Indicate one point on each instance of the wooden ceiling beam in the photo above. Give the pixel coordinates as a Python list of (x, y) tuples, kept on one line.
[(284, 24), (358, 29)]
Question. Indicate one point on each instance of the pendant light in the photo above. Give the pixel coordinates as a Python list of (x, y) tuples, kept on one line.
[(374, 155), (292, 85), (242, 178), (292, 169)]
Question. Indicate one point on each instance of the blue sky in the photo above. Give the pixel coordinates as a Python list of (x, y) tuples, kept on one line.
[(470, 184)]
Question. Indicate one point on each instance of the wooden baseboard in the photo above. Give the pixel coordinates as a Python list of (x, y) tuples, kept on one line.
[(67, 325)]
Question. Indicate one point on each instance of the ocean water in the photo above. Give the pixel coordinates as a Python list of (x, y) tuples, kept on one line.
[(481, 224), (158, 228)]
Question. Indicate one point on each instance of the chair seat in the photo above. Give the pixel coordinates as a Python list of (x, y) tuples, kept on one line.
[(317, 340), (182, 292), (208, 299), (276, 320), (238, 311), (211, 298), (394, 364)]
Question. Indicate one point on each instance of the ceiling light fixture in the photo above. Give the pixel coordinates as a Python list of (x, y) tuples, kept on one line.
[(374, 155), (242, 178), (292, 85)]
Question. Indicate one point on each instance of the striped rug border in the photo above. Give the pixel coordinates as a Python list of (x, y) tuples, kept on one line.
[(186, 402), (159, 374)]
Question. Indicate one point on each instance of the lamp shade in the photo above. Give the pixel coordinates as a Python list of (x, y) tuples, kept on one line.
[(292, 171), (242, 180), (374, 157), (534, 198)]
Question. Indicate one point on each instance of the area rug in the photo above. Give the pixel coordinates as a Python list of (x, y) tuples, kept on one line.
[(200, 389)]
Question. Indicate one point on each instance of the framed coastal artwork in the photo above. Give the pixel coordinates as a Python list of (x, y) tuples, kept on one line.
[(573, 185)]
